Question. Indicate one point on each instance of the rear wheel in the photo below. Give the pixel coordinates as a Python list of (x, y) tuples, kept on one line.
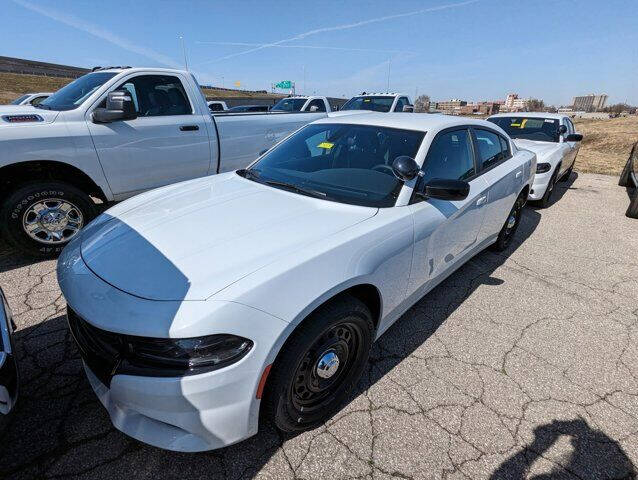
[(319, 365), (41, 218), (508, 231)]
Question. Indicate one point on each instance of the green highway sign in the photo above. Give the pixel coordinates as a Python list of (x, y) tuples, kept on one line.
[(284, 84)]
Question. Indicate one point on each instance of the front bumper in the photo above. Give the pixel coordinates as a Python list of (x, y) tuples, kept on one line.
[(539, 187), (190, 413)]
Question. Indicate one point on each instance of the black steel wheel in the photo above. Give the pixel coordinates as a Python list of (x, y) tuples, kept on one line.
[(319, 365)]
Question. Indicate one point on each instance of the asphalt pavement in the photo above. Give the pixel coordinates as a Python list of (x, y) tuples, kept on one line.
[(521, 365)]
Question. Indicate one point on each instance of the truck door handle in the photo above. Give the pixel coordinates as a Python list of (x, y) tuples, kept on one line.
[(518, 174), (189, 128), (481, 200)]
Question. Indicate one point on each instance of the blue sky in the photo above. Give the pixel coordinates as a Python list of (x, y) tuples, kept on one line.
[(468, 49)]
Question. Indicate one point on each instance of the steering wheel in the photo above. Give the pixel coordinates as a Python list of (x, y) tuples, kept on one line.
[(382, 167)]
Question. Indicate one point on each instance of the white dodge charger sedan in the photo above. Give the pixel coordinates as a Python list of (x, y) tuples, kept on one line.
[(552, 138), (202, 306)]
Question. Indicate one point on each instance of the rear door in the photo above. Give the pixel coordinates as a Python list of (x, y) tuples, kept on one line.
[(167, 143), (573, 147), (499, 171), (446, 231)]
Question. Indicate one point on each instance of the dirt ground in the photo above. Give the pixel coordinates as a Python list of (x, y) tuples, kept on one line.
[(606, 144)]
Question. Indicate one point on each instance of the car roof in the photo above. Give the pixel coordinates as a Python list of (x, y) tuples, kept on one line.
[(407, 121), (555, 116)]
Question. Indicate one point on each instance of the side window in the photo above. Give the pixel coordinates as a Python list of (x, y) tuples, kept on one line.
[(490, 148), (158, 95), (400, 103), (37, 100), (450, 157), (317, 103), (505, 146), (216, 107)]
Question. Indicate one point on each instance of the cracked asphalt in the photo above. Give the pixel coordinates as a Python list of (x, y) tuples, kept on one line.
[(520, 365)]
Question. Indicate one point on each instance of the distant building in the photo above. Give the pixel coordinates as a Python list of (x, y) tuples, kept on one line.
[(590, 103), (480, 108), (514, 104), (451, 106)]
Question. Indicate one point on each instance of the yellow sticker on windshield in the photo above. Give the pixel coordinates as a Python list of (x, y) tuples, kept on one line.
[(523, 123), (326, 145), (367, 100)]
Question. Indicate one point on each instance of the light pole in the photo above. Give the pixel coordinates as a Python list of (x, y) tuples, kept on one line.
[(389, 65)]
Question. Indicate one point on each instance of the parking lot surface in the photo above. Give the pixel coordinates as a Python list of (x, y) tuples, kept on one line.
[(521, 365)]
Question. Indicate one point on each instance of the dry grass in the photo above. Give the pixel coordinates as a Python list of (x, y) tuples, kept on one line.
[(12, 85), (606, 144)]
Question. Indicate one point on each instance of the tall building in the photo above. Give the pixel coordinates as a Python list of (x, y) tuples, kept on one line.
[(590, 103), (451, 106), (514, 104)]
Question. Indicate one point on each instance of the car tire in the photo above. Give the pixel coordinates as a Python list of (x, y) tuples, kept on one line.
[(53, 212), (623, 181), (505, 236), (632, 211), (547, 197), (306, 384), (567, 174)]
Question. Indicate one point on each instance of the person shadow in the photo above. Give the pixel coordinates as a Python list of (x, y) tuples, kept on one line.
[(594, 455)]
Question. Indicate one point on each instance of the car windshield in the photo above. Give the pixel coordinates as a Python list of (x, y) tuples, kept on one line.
[(289, 105), (376, 104), (529, 128), (339, 162), (19, 100), (72, 95)]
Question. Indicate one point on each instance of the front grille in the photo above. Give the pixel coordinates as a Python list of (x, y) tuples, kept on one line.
[(100, 350)]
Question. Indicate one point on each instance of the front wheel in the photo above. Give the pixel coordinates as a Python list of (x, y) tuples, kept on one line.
[(547, 198), (40, 218), (319, 365), (506, 234)]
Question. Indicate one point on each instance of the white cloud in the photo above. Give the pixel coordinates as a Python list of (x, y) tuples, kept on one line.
[(346, 26), (99, 32)]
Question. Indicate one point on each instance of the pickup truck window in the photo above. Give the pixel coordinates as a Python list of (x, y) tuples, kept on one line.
[(289, 105), (529, 128), (376, 104), (339, 162), (157, 95), (400, 104), (321, 107), (450, 157), (72, 95)]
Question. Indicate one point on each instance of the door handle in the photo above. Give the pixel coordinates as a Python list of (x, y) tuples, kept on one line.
[(519, 173), (189, 128), (481, 200)]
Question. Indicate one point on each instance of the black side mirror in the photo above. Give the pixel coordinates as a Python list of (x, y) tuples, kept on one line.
[(405, 168), (408, 108), (562, 130), (263, 151), (446, 189), (573, 137), (119, 106)]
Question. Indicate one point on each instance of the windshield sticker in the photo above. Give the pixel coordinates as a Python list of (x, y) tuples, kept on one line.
[(367, 100), (549, 120), (326, 145)]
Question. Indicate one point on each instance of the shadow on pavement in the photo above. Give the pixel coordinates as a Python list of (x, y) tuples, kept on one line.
[(594, 455), (60, 429)]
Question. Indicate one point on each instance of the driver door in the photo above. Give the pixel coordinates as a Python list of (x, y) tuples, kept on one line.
[(446, 231)]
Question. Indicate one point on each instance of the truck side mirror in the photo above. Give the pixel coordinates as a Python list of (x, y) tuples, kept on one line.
[(562, 129), (314, 108), (119, 106), (408, 108), (574, 137)]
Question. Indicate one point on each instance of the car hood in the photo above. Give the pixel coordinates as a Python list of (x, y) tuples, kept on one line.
[(541, 149), (190, 240), (47, 116)]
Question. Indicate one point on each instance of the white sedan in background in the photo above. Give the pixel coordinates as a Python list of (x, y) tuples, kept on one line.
[(202, 305), (552, 138), (31, 98)]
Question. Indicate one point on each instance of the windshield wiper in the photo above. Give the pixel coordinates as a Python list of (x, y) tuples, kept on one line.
[(296, 188)]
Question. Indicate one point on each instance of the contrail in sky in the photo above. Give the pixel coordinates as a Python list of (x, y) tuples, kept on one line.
[(79, 24), (346, 26), (317, 47)]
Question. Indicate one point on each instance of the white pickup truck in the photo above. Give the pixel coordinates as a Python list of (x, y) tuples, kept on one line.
[(302, 104), (109, 135), (379, 102)]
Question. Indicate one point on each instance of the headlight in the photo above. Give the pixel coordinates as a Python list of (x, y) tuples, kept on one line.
[(543, 167), (184, 355)]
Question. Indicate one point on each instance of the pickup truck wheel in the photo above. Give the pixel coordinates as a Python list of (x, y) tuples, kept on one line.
[(506, 234), (39, 219), (319, 365)]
